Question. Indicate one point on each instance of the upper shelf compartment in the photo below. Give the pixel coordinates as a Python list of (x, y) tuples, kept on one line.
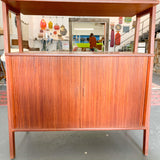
[(125, 8)]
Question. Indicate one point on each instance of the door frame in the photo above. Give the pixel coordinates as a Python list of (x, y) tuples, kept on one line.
[(98, 20)]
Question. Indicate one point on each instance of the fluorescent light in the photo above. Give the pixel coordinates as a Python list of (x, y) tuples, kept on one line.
[(84, 29)]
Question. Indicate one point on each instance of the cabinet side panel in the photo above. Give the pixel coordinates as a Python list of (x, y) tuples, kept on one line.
[(46, 92), (113, 91)]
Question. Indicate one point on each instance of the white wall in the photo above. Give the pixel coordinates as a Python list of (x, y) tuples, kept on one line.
[(145, 25), (34, 27), (1, 20), (13, 28), (34, 23), (30, 32), (98, 29), (115, 21), (1, 25)]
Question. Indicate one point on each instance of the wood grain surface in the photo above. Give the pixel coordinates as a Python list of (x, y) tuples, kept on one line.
[(77, 92), (125, 8), (79, 54), (136, 36), (46, 92), (147, 106), (19, 31), (5, 11), (113, 91)]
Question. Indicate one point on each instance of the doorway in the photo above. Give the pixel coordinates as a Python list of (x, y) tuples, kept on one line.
[(80, 29)]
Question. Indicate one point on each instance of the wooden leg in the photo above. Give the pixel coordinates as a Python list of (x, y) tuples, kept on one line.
[(145, 141), (12, 144)]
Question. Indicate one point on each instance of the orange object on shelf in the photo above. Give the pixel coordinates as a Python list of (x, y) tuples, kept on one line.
[(55, 32), (117, 38), (50, 25), (56, 27), (43, 24)]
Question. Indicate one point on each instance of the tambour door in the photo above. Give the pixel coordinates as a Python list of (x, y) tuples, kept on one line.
[(45, 91), (113, 91)]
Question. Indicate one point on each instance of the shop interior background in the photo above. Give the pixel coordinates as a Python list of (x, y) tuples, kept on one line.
[(31, 31)]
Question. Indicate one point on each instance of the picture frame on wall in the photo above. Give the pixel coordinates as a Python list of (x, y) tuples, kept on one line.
[(118, 27), (120, 20), (125, 29), (128, 19)]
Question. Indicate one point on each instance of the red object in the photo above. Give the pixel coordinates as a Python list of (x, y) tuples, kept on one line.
[(117, 38), (92, 41), (112, 38), (3, 98), (120, 20), (56, 27), (55, 32), (43, 24)]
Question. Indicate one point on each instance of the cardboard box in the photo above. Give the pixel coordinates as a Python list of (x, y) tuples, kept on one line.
[(1, 32)]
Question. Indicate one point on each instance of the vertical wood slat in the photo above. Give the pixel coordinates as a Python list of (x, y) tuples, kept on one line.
[(19, 31), (152, 29), (136, 38), (10, 100), (5, 10), (149, 70), (145, 141), (106, 35), (70, 36), (6, 27), (147, 104)]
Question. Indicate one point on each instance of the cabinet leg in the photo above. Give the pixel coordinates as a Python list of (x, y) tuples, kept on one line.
[(145, 141), (12, 144)]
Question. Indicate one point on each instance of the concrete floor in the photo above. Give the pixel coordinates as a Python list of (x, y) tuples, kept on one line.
[(98, 145), (156, 78)]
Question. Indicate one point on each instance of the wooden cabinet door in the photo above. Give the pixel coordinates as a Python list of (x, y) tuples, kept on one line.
[(113, 91), (46, 92)]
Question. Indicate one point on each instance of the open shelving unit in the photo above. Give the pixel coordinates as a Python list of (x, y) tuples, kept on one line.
[(73, 91)]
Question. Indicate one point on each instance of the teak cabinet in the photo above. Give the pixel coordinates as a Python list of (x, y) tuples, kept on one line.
[(79, 91)]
